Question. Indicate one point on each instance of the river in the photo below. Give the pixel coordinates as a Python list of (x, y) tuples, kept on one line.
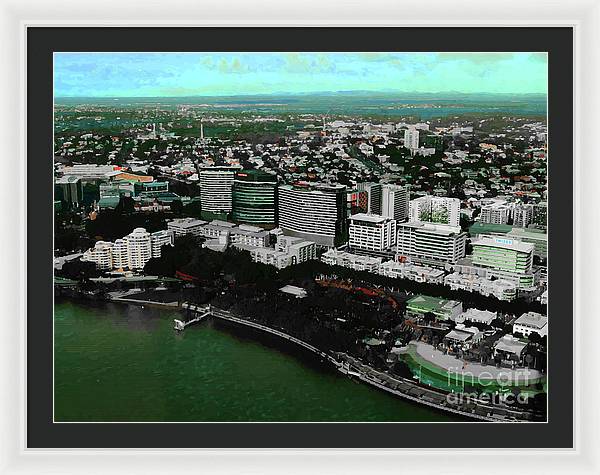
[(117, 362)]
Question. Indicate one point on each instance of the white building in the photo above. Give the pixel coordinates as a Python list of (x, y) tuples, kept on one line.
[(372, 232), (406, 270), (247, 235), (313, 212), (139, 248), (216, 185), (500, 288), (288, 251), (474, 315), (434, 209), (184, 226), (100, 254), (394, 202), (119, 255), (411, 139), (498, 212), (523, 215), (334, 257), (131, 252), (432, 243), (531, 322), (160, 239)]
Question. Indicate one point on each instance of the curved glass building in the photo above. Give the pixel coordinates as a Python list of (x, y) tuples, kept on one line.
[(254, 197)]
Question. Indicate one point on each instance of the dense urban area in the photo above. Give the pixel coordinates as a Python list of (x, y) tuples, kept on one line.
[(410, 252)]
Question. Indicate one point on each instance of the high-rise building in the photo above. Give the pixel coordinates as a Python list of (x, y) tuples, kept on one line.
[(540, 214), (315, 212), (69, 189), (160, 239), (503, 254), (434, 209), (357, 201), (522, 215), (100, 254), (411, 139), (139, 248), (216, 188), (374, 196), (254, 197), (430, 243), (371, 232), (394, 202)]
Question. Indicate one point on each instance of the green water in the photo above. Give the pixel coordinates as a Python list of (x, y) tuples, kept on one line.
[(116, 362)]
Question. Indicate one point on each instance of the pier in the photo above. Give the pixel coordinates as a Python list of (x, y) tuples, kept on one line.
[(204, 312)]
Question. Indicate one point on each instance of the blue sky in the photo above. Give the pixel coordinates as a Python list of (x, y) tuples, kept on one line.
[(218, 74)]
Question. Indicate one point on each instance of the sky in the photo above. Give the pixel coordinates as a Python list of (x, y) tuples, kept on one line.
[(220, 74)]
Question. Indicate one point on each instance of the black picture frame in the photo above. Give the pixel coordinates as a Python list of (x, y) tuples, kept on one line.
[(42, 42)]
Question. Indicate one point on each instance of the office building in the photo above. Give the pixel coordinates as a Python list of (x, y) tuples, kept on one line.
[(537, 237), (522, 215), (540, 214), (288, 251), (374, 191), (216, 188), (394, 202), (371, 232), (434, 209), (185, 226), (430, 243), (313, 212), (89, 171), (357, 201), (254, 197), (503, 254), (69, 189), (411, 139)]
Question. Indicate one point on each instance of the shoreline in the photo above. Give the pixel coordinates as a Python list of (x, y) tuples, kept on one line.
[(423, 395), (351, 367)]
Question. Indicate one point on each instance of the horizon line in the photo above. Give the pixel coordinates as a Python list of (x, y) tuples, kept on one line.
[(308, 93)]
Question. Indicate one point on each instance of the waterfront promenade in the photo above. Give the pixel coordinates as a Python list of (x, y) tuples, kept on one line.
[(402, 387)]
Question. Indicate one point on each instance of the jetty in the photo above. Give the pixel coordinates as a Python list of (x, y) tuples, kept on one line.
[(202, 311)]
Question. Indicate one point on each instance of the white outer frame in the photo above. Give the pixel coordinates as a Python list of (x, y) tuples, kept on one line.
[(16, 15)]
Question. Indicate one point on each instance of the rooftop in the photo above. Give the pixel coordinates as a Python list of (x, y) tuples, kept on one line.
[(503, 243), (371, 218), (430, 304), (437, 228), (532, 319), (510, 344), (298, 292)]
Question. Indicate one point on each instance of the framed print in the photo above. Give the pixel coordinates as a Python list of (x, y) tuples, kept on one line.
[(300, 239)]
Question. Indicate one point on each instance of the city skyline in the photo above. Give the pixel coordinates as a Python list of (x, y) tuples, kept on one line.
[(217, 74)]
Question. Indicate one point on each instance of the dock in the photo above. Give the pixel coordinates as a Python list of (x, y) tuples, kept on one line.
[(202, 312)]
